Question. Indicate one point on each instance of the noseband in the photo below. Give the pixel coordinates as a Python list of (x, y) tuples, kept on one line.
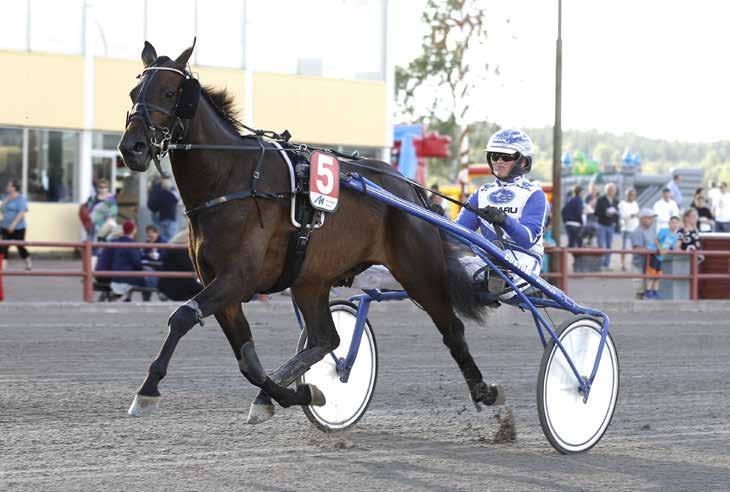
[(187, 103)]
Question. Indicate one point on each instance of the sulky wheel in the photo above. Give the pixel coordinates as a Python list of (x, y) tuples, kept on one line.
[(569, 424), (348, 401)]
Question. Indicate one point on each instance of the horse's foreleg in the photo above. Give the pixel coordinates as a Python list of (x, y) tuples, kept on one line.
[(216, 294), (321, 339)]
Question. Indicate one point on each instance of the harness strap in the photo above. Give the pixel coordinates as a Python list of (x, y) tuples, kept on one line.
[(296, 252), (237, 196)]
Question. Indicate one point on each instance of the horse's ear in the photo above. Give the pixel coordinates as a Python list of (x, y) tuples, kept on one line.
[(182, 60), (149, 55)]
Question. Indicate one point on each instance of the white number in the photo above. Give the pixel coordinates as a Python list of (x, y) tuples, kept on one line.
[(325, 187)]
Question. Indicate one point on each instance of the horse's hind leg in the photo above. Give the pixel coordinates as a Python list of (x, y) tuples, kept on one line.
[(427, 284), (321, 339)]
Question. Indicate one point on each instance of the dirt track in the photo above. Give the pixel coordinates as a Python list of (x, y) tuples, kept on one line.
[(67, 378)]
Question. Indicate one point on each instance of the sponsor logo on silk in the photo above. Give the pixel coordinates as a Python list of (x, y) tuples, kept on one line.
[(509, 137), (502, 196)]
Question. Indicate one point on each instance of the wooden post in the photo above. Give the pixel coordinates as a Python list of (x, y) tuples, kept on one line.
[(2, 294), (694, 281), (88, 272), (564, 269)]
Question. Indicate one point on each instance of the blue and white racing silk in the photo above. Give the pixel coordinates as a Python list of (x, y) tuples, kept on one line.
[(527, 209)]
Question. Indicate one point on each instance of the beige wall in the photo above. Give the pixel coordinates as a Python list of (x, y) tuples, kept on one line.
[(320, 110), (47, 91), (53, 222), (41, 90), (115, 78)]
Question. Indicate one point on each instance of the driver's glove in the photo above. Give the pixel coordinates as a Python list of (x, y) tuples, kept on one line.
[(493, 215)]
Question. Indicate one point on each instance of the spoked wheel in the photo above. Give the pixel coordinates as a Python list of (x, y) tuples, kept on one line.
[(348, 401), (570, 425)]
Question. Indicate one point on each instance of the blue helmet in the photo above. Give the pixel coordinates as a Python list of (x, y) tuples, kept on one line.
[(511, 142)]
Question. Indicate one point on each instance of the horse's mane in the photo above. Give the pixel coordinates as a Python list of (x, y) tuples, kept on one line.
[(223, 104)]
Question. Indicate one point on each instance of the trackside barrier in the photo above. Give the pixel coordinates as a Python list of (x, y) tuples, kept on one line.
[(694, 276), (87, 273)]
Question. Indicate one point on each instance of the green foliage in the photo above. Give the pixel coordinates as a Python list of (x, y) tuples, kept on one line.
[(435, 88)]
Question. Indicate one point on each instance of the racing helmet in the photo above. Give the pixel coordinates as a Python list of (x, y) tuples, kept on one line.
[(509, 142)]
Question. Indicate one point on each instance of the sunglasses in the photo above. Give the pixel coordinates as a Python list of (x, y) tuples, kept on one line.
[(495, 156)]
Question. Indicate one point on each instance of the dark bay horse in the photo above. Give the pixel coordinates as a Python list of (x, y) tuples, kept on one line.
[(239, 246)]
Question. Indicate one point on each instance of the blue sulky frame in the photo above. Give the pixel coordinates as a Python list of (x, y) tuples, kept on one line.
[(491, 255)]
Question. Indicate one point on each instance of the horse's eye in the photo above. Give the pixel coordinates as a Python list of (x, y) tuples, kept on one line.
[(170, 94)]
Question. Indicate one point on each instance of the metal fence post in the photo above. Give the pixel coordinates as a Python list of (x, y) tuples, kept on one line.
[(694, 281), (88, 272)]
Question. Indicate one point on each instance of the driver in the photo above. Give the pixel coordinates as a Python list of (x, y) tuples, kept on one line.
[(513, 204)]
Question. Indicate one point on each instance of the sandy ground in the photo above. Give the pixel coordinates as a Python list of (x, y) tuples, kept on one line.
[(67, 377)]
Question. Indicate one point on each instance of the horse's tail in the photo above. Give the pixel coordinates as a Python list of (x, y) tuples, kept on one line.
[(461, 290)]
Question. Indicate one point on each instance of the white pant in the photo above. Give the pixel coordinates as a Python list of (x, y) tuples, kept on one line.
[(379, 277)]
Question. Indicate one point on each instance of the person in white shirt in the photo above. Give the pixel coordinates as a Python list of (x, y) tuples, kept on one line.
[(713, 195), (673, 186), (665, 208), (628, 211), (722, 210)]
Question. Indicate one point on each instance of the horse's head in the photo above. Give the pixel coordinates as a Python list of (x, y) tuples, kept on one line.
[(165, 99)]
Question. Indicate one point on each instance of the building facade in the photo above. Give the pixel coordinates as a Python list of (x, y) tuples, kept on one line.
[(320, 69)]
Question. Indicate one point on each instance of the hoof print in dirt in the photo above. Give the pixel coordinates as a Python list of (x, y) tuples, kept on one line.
[(507, 432)]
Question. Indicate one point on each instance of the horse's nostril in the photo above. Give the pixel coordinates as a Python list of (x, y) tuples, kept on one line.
[(139, 147)]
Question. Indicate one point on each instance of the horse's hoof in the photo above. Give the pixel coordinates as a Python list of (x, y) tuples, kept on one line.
[(260, 412), (501, 395), (143, 405), (317, 398)]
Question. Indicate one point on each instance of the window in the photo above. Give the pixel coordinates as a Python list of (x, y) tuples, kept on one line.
[(171, 25), (11, 155), (56, 26), (332, 39), (118, 29), (105, 141), (14, 26), (220, 34), (53, 157)]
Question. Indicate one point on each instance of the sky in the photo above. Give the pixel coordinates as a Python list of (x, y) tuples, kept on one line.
[(656, 68)]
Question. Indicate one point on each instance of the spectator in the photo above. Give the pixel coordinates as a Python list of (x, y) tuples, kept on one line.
[(689, 234), (126, 260), (713, 195), (674, 189), (706, 219), (628, 210), (173, 260), (435, 202), (151, 259), (644, 237), (722, 210), (607, 214), (152, 235), (590, 227), (14, 209), (103, 211), (572, 215), (665, 208), (162, 202)]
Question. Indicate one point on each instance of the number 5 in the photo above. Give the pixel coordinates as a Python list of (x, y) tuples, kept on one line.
[(325, 186)]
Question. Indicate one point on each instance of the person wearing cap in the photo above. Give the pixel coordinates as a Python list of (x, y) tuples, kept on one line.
[(665, 208), (644, 237), (511, 204)]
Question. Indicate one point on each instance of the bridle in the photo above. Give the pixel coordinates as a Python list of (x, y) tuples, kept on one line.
[(159, 137)]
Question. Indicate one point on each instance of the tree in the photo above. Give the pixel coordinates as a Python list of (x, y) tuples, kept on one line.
[(436, 87)]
